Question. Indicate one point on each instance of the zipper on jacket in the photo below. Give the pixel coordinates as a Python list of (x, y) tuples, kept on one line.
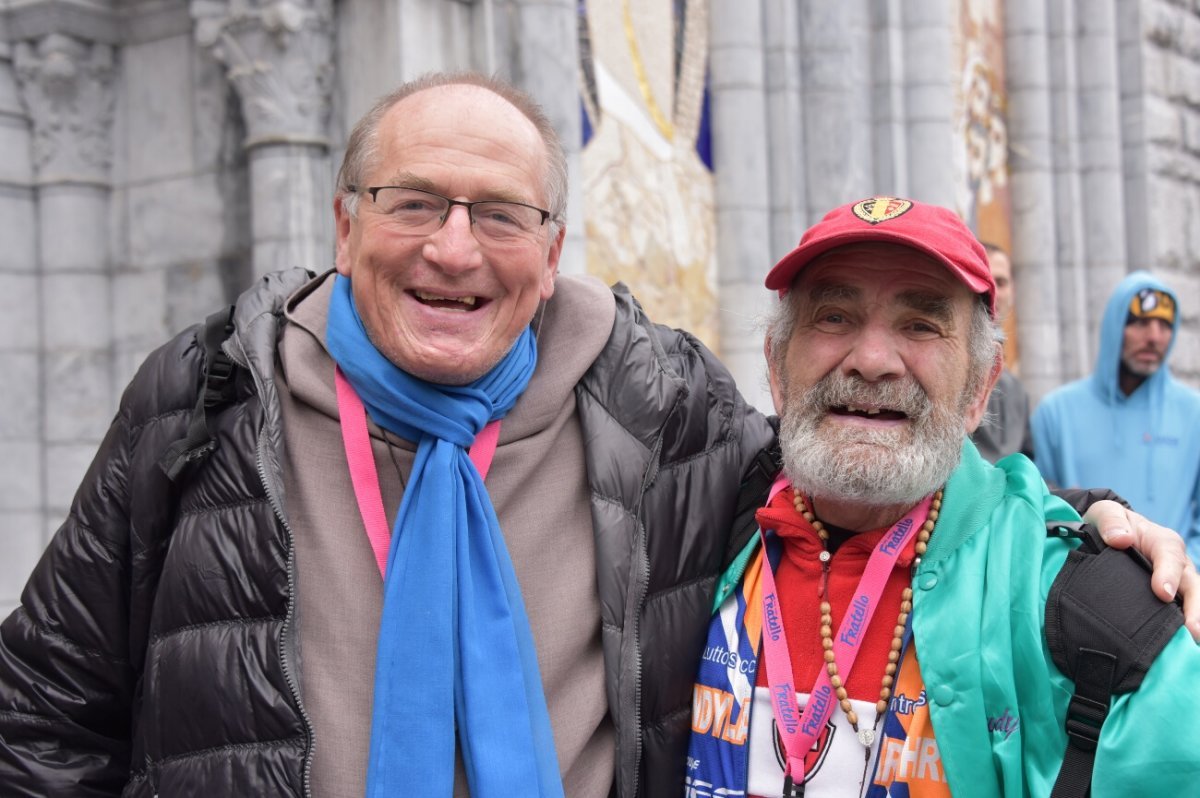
[(644, 572), (234, 347), (643, 559), (290, 617)]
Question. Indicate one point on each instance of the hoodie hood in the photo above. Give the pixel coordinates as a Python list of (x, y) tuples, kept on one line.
[(1112, 335), (1143, 445)]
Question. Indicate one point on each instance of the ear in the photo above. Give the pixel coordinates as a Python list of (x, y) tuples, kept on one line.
[(776, 382), (979, 403), (344, 224), (552, 256)]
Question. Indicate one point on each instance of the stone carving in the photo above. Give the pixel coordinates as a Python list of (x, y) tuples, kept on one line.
[(67, 88), (278, 54)]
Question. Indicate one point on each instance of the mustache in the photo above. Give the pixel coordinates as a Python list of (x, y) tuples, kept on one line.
[(875, 467), (840, 390)]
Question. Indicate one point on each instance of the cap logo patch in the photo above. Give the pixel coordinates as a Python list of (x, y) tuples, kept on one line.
[(1150, 303), (881, 209)]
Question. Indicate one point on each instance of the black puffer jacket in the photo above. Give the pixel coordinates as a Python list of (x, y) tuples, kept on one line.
[(154, 650)]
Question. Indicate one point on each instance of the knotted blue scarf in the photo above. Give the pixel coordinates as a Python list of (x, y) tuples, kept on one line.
[(455, 648)]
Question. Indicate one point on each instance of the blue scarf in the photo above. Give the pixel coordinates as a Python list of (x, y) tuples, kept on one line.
[(455, 646)]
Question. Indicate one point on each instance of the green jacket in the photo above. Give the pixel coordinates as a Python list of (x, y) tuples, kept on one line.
[(978, 624)]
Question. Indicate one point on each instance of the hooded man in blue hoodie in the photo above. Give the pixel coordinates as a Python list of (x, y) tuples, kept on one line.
[(1130, 424)]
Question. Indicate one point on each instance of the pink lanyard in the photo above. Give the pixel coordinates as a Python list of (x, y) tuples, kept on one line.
[(798, 731), (362, 464)]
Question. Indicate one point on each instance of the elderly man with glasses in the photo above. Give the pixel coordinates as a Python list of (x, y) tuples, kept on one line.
[(437, 520)]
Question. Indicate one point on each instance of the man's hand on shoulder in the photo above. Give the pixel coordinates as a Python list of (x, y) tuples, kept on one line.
[(1174, 571)]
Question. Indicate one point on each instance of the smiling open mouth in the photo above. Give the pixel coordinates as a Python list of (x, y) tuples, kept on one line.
[(874, 413), (458, 303)]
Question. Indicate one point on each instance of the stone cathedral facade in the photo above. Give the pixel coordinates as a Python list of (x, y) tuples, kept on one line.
[(158, 155)]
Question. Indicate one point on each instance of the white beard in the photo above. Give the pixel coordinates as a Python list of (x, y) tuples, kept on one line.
[(874, 467)]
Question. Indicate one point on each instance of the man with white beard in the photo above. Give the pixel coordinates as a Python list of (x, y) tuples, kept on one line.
[(881, 353)]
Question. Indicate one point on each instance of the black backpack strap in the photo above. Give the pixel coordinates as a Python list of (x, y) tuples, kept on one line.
[(1104, 628), (218, 390)]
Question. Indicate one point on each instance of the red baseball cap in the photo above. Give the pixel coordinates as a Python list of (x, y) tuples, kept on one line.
[(931, 229)]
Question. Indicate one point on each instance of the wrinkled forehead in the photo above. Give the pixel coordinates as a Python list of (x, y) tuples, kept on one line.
[(917, 298), (887, 277), (876, 268)]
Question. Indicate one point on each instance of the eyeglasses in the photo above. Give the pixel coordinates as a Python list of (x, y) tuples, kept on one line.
[(419, 211)]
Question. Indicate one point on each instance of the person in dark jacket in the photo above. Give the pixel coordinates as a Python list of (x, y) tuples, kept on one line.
[(285, 572), (1005, 428)]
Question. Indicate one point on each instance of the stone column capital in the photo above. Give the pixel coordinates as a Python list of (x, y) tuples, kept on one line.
[(67, 88), (278, 54)]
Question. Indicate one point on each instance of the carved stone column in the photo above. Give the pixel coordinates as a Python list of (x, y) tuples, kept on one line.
[(66, 87), (22, 476), (741, 148), (538, 46), (1031, 174), (278, 56), (1095, 256)]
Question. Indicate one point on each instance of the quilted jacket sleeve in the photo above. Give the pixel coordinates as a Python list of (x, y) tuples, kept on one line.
[(71, 653)]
